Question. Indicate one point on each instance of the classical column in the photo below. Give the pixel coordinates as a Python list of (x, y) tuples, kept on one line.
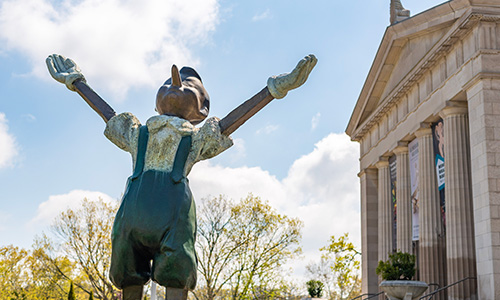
[(460, 244), (432, 239), (403, 198), (384, 209), (369, 232)]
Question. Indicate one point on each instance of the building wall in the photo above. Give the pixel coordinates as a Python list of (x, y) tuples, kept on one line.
[(484, 114), (452, 71)]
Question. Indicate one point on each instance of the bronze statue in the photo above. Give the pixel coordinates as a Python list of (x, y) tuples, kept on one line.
[(154, 230)]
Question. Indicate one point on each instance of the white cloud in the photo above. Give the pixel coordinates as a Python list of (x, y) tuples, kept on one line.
[(117, 44), (315, 121), (8, 146), (239, 151), (321, 189), (29, 118), (262, 16), (56, 204), (268, 129), (4, 220)]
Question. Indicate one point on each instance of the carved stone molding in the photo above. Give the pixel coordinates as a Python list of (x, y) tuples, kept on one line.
[(462, 28)]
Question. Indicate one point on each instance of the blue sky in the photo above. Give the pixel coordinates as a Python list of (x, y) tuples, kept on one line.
[(292, 153)]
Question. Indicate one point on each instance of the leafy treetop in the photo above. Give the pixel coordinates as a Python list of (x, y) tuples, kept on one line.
[(315, 288)]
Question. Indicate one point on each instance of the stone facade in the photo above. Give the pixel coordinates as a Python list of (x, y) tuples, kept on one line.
[(442, 64)]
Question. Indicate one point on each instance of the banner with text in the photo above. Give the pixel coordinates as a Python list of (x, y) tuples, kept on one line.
[(392, 168), (439, 141), (413, 159)]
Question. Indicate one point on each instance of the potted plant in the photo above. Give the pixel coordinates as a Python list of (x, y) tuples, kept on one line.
[(397, 274)]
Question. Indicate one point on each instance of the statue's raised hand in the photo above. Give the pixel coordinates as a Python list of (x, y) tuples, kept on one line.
[(280, 85), (64, 70)]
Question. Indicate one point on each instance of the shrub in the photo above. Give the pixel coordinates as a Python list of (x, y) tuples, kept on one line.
[(400, 266)]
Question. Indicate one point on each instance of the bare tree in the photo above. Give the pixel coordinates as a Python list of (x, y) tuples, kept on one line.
[(242, 247), (83, 237), (215, 248)]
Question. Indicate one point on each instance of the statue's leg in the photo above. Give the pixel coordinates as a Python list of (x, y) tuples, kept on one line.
[(133, 292), (176, 294)]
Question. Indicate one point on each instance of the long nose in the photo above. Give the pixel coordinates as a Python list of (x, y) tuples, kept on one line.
[(176, 76)]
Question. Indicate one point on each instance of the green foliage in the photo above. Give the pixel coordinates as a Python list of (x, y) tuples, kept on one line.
[(339, 268), (400, 266), (71, 294), (315, 288), (24, 275), (79, 258), (13, 279)]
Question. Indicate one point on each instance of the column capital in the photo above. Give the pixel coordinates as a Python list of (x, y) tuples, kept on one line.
[(367, 171), (424, 130), (453, 108), (383, 162), (401, 148)]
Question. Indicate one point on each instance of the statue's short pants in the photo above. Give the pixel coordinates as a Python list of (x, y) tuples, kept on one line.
[(154, 233)]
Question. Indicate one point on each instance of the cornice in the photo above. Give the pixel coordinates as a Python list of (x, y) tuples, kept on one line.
[(481, 76)]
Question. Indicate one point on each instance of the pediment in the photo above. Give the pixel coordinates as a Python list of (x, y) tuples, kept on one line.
[(403, 56), (404, 47)]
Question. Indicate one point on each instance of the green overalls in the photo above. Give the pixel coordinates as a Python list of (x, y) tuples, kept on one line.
[(156, 222)]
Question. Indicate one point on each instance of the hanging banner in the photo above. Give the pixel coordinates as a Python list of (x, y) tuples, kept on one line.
[(392, 168), (413, 160), (439, 140)]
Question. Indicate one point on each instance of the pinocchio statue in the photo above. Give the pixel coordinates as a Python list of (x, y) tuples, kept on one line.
[(154, 231)]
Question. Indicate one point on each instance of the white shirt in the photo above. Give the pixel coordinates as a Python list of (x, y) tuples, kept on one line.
[(165, 133)]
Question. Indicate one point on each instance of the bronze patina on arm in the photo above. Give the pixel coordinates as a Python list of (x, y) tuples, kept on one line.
[(66, 71), (277, 87)]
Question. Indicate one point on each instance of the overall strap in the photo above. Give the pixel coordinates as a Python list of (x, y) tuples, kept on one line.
[(180, 158), (141, 151)]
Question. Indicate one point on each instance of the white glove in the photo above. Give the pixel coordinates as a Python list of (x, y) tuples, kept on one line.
[(280, 85), (64, 70)]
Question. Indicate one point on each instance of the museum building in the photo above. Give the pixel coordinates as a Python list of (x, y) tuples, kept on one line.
[(428, 124)]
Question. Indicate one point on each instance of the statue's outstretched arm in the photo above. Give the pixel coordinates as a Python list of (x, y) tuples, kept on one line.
[(277, 87), (66, 71)]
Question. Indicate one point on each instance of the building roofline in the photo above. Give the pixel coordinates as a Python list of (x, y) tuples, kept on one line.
[(395, 36)]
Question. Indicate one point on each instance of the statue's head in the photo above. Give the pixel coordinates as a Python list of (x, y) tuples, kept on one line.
[(184, 96)]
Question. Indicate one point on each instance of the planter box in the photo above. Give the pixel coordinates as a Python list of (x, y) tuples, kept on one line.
[(403, 289)]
